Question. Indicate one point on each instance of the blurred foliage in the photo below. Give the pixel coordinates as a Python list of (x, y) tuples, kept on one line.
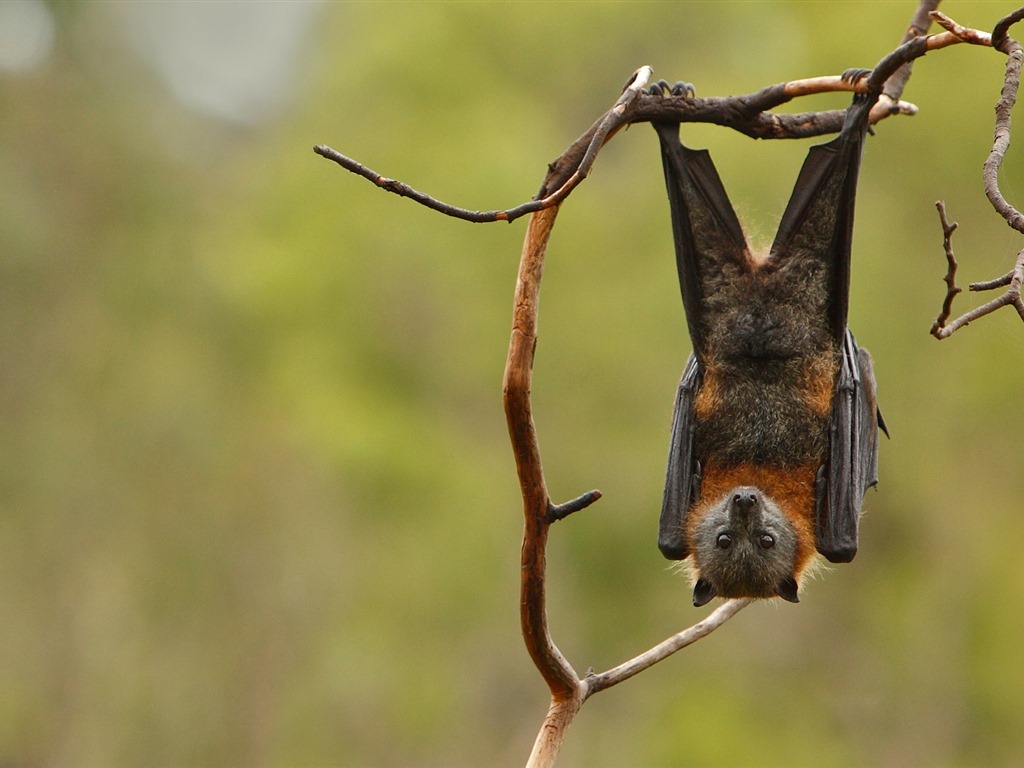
[(258, 502)]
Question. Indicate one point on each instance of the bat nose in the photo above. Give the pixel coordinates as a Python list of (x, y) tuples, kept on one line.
[(744, 501)]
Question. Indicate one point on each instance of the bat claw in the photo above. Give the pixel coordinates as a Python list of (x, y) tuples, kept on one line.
[(659, 88), (662, 88), (854, 75), (684, 89)]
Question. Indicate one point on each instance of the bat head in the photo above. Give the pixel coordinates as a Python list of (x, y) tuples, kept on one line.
[(744, 546)]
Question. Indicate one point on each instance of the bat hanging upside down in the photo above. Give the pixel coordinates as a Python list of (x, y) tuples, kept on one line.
[(775, 432)]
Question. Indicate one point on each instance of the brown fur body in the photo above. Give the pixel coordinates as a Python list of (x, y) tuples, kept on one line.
[(762, 412)]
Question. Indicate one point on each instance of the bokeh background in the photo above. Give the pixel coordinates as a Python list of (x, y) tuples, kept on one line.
[(258, 503)]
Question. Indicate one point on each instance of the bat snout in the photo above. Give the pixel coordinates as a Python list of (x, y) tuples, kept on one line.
[(745, 500)]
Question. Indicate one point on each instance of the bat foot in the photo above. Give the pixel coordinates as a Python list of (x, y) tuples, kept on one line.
[(662, 88), (853, 75)]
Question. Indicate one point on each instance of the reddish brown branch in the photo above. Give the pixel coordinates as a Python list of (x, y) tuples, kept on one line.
[(568, 690), (562, 680)]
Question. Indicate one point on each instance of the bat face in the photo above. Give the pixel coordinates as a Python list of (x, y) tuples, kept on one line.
[(744, 546)]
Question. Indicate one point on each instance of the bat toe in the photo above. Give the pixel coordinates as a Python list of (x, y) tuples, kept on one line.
[(681, 88), (854, 74)]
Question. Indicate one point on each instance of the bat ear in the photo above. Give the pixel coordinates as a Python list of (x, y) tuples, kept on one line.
[(787, 590), (703, 592)]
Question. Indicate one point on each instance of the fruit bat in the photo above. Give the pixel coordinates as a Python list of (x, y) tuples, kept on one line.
[(775, 431)]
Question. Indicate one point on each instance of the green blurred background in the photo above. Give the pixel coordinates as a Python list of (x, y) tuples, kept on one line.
[(258, 503)]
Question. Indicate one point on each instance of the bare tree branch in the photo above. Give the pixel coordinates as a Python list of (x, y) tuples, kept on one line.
[(1011, 297), (749, 114), (1001, 142), (596, 683), (404, 190), (960, 32), (942, 328), (951, 287), (918, 27), (561, 678)]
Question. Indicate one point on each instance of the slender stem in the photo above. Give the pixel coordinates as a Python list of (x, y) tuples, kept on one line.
[(678, 641)]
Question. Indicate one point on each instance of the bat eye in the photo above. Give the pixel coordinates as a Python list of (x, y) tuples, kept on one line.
[(766, 540), (724, 541)]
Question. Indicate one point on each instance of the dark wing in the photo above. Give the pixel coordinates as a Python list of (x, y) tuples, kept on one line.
[(815, 236), (817, 226), (852, 465), (709, 244), (682, 479), (708, 236)]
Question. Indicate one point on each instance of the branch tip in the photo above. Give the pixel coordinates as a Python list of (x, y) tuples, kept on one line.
[(561, 511)]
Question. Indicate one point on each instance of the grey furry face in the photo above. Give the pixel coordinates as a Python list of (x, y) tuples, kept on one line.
[(745, 547)]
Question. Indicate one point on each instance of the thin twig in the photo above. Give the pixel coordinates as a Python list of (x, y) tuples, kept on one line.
[(1012, 297), (561, 511), (959, 31), (404, 190), (950, 279), (562, 710), (598, 682)]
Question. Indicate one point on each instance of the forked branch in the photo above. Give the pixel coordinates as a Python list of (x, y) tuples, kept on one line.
[(568, 690), (943, 328)]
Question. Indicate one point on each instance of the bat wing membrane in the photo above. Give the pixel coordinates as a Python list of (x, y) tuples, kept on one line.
[(852, 465), (682, 479), (708, 239), (708, 236), (817, 224)]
